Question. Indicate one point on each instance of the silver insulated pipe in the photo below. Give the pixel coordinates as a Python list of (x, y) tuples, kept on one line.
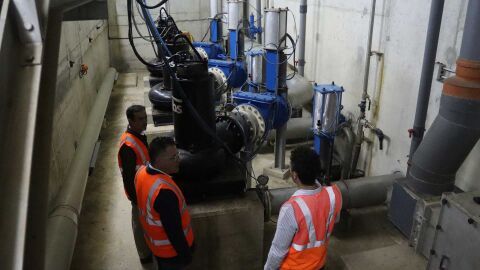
[(356, 193)]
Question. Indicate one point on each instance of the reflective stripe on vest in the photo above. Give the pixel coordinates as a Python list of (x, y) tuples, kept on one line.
[(149, 217), (139, 149), (148, 188), (331, 196), (166, 242), (313, 242)]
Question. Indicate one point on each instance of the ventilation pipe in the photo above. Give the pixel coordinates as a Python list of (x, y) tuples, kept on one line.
[(434, 23), (456, 129), (62, 224)]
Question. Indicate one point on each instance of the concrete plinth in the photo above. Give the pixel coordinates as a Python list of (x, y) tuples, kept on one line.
[(277, 172), (228, 233)]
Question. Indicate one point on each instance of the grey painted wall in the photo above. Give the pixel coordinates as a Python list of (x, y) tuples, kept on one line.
[(190, 16), (335, 51), (84, 42)]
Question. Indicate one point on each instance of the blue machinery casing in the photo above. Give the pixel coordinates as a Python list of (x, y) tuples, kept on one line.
[(274, 109), (233, 68), (211, 50), (234, 71)]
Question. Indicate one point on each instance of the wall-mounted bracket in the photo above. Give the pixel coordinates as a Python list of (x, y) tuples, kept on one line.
[(443, 72)]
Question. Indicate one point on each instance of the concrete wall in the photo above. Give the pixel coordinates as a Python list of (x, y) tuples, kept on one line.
[(336, 44), (191, 16), (84, 42)]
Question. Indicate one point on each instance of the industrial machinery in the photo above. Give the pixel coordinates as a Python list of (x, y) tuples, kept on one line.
[(215, 150), (160, 94), (214, 48), (327, 103), (267, 94), (228, 70)]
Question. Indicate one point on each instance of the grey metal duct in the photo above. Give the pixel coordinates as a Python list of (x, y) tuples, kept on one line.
[(357, 193), (62, 224), (431, 44), (456, 129)]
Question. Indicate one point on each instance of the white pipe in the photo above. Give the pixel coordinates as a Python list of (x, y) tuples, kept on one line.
[(301, 37), (213, 8), (62, 224)]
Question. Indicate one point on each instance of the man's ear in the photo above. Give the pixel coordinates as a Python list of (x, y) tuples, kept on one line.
[(294, 176)]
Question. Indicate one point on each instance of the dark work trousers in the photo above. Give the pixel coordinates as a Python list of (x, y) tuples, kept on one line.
[(142, 247), (162, 265)]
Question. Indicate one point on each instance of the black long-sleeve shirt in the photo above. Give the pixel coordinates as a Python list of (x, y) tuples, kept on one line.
[(166, 204), (128, 157)]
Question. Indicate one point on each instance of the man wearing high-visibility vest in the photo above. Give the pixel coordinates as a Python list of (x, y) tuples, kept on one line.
[(133, 153), (163, 211), (306, 220)]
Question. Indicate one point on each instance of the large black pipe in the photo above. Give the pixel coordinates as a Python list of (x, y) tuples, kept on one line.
[(197, 84), (431, 44), (456, 129)]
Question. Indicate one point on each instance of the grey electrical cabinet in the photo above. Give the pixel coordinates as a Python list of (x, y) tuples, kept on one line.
[(456, 244)]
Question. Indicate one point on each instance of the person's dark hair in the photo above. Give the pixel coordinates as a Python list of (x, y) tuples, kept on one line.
[(158, 145), (306, 163), (134, 109)]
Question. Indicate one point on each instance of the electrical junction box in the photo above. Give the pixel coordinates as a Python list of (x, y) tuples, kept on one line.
[(457, 240), (425, 219)]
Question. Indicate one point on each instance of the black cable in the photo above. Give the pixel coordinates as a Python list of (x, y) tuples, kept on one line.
[(206, 33), (181, 92), (151, 7), (130, 37)]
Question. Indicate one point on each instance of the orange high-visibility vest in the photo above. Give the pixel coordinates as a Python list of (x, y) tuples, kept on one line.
[(315, 216), (148, 186), (140, 149)]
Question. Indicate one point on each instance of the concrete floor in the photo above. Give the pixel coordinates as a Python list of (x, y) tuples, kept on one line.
[(105, 239)]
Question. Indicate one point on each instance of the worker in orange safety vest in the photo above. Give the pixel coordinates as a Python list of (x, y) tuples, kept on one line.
[(306, 220), (163, 211), (133, 153)]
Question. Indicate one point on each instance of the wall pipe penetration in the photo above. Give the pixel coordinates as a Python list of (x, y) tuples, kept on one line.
[(456, 129), (357, 193), (62, 223)]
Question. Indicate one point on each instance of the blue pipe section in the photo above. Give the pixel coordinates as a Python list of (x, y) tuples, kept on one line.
[(213, 50), (274, 109), (234, 71), (215, 33), (272, 70), (233, 39)]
